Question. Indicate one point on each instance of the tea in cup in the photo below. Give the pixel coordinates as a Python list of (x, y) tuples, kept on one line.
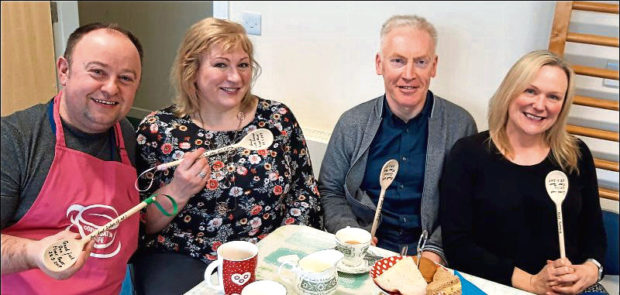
[(236, 267), (264, 287), (353, 243)]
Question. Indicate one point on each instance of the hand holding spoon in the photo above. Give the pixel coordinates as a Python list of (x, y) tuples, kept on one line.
[(388, 173), (63, 253), (258, 139), (556, 184)]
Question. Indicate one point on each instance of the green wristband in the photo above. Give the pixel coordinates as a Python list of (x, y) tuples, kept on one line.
[(151, 199)]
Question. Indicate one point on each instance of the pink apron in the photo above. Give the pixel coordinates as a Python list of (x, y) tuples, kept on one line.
[(80, 193)]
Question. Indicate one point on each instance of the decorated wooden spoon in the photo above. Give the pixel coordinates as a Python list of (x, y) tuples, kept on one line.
[(388, 173), (556, 184), (258, 139), (62, 254)]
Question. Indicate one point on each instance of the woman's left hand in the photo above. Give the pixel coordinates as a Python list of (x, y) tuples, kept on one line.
[(583, 277)]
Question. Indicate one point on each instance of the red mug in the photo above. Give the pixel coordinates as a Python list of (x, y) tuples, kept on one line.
[(236, 267)]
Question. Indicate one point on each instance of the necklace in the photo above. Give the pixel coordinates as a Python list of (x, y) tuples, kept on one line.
[(230, 164), (230, 155)]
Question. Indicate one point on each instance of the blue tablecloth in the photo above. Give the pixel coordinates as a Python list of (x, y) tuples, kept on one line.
[(468, 287)]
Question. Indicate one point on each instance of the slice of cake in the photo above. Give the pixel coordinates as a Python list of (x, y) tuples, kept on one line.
[(444, 283), (427, 268), (403, 277)]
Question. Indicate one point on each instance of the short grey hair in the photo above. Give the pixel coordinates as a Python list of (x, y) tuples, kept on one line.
[(413, 21)]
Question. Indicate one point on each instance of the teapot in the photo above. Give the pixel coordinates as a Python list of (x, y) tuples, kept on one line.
[(314, 274)]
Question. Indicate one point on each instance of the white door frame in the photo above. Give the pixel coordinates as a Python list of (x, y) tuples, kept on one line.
[(220, 9), (67, 21)]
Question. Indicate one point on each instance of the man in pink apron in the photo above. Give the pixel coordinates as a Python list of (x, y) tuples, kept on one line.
[(67, 168)]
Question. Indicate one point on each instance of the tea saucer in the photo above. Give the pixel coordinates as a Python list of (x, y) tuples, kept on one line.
[(362, 268)]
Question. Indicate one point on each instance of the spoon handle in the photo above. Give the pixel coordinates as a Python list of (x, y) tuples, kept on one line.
[(375, 222), (114, 221), (165, 166), (220, 150), (561, 232)]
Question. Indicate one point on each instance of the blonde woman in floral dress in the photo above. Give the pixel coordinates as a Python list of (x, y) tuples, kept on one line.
[(240, 195)]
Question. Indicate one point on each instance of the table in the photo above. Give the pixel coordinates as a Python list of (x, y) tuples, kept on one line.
[(302, 240)]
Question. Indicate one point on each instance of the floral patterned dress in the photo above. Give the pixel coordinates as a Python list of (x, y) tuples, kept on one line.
[(249, 193)]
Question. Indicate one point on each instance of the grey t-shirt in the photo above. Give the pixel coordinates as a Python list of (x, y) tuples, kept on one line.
[(28, 151)]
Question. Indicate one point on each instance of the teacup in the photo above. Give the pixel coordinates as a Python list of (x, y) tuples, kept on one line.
[(264, 287), (353, 243), (236, 267), (313, 274)]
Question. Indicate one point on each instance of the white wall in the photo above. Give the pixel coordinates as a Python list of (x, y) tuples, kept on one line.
[(160, 26), (318, 57)]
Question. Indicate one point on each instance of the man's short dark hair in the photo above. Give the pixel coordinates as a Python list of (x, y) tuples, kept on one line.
[(75, 37)]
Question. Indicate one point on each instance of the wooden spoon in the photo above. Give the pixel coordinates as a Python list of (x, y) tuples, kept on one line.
[(556, 184), (62, 254), (258, 139), (388, 173)]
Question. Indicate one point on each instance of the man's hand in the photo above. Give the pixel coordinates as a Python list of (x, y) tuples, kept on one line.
[(21, 254), (433, 257), (36, 250)]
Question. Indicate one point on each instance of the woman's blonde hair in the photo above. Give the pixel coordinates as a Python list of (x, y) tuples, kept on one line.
[(565, 151), (199, 39)]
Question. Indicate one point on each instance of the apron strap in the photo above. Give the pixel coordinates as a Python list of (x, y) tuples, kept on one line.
[(120, 143), (55, 120)]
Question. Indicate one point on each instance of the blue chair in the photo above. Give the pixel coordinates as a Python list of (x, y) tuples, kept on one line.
[(127, 287), (610, 220)]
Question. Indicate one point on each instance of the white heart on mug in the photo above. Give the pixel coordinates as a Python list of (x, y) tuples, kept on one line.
[(240, 279)]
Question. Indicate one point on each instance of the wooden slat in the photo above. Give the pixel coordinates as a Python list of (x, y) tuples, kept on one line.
[(608, 194), (592, 39), (595, 72), (607, 165), (557, 41), (592, 132), (594, 6), (559, 30), (596, 102)]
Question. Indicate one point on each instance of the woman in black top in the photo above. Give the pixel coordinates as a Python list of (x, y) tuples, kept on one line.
[(497, 219)]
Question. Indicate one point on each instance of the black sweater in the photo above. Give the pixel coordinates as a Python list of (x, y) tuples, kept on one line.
[(496, 215)]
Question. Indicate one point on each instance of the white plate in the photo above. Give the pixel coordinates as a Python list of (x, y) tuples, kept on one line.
[(362, 268)]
